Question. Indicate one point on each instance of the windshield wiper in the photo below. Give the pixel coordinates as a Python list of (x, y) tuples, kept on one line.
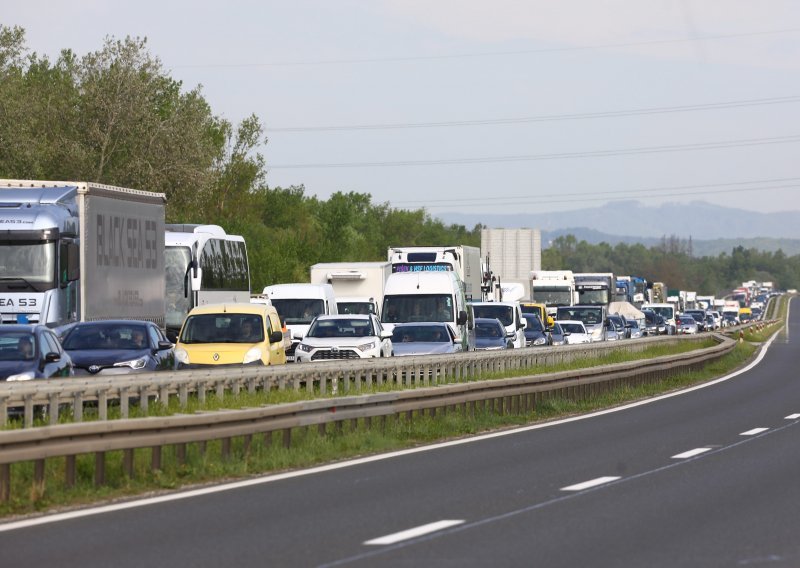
[(28, 284)]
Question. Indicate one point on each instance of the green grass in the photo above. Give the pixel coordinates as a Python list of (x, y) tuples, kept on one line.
[(309, 447)]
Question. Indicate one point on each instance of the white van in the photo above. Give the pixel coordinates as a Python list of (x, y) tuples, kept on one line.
[(509, 314), (428, 297), (298, 305), (665, 310)]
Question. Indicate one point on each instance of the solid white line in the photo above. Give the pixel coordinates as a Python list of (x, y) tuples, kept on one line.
[(58, 517), (754, 431), (793, 417), (415, 532), (691, 453), (590, 483)]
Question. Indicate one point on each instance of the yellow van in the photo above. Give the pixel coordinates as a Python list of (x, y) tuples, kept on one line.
[(540, 309), (231, 334)]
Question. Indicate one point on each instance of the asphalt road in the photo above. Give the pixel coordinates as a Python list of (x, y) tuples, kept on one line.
[(705, 478)]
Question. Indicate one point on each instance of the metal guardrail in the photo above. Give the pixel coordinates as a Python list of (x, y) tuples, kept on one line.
[(519, 394), (53, 397)]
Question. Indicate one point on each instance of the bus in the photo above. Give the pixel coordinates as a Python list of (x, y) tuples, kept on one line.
[(203, 265)]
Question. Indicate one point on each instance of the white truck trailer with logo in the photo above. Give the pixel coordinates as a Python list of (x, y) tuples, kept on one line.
[(595, 289), (358, 286), (465, 261), (80, 251)]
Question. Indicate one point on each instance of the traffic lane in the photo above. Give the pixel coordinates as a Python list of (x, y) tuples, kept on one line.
[(413, 490), (735, 506)]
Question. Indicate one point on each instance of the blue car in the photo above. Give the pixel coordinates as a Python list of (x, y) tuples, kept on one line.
[(31, 352), (115, 347), (490, 335)]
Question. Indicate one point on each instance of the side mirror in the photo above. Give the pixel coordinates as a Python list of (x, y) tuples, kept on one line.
[(52, 357), (386, 334), (162, 345), (276, 337), (462, 318)]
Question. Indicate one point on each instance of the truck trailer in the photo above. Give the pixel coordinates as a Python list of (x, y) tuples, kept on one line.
[(465, 261), (358, 286), (80, 251)]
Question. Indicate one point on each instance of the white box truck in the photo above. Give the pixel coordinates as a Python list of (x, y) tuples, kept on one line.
[(80, 251), (297, 305), (465, 261), (428, 297), (553, 288), (358, 286)]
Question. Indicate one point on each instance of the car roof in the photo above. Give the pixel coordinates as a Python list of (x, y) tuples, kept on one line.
[(421, 323), (488, 320), (562, 322), (344, 317), (21, 327), (232, 308)]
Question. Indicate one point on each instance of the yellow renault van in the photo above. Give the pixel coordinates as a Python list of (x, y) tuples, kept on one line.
[(231, 334)]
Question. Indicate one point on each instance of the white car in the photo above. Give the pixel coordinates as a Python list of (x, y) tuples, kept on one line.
[(337, 337), (574, 332)]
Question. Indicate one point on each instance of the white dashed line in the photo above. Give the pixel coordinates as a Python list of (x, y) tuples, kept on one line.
[(754, 431), (413, 533), (691, 453), (793, 417), (590, 483)]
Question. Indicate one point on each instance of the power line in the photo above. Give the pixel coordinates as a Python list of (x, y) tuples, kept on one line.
[(412, 58), (547, 118), (630, 192), (595, 197), (554, 156)]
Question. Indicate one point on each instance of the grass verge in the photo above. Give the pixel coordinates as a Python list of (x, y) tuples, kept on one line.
[(265, 454)]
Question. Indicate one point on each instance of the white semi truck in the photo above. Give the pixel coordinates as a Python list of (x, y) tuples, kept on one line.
[(80, 251), (465, 261), (358, 286), (553, 288)]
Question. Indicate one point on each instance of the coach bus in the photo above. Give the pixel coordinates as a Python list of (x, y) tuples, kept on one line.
[(203, 265)]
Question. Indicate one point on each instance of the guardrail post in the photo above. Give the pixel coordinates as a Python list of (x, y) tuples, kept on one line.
[(38, 477), (144, 399), (183, 395), (225, 451), (5, 482), (180, 454), (127, 463), (155, 463), (28, 410), (99, 468), (52, 408), (287, 438), (124, 403), (201, 392), (3, 412), (69, 471), (220, 390), (102, 404)]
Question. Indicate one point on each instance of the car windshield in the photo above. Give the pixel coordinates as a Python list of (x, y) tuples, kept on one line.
[(488, 330), (420, 333), (572, 328), (341, 327), (503, 313), (106, 336), (299, 311), (534, 323), (223, 328), (17, 346)]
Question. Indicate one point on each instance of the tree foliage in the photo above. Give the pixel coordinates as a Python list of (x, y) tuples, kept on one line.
[(115, 116)]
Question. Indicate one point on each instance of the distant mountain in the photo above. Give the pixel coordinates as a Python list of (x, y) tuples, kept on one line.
[(700, 220), (713, 229)]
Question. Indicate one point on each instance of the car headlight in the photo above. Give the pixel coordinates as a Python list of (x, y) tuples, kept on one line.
[(139, 363), (21, 377), (253, 354), (366, 346), (182, 356), (304, 347), (539, 341)]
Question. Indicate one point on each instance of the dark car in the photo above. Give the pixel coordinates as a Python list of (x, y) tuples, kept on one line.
[(557, 336), (654, 324), (116, 347), (535, 334), (31, 352), (618, 322), (490, 335), (431, 338)]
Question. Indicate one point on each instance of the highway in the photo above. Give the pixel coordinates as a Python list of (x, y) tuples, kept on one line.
[(703, 478)]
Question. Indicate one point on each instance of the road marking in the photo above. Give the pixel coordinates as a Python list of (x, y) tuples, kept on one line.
[(415, 532), (276, 477), (754, 431), (691, 453), (793, 417), (590, 483)]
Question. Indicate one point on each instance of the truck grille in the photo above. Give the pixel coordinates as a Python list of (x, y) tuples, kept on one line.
[(327, 354)]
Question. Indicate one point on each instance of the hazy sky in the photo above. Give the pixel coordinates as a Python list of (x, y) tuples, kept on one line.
[(468, 105)]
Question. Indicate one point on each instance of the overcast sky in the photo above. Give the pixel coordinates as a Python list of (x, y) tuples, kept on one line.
[(475, 105)]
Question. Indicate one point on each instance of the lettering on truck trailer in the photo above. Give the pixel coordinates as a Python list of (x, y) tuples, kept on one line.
[(21, 302), (119, 242)]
